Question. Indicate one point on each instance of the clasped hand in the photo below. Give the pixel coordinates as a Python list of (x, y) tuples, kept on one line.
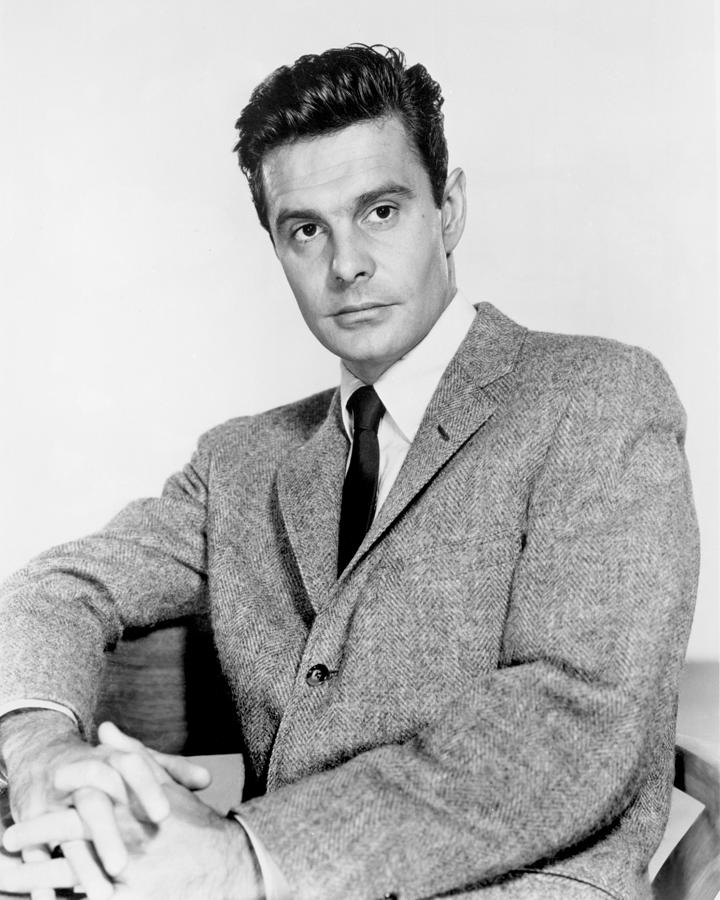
[(127, 823)]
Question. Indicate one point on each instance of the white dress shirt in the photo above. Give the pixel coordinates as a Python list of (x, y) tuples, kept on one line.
[(405, 389)]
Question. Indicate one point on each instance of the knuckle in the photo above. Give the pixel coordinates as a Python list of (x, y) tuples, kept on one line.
[(78, 769)]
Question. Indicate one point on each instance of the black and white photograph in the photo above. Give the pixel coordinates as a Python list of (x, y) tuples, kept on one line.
[(361, 427)]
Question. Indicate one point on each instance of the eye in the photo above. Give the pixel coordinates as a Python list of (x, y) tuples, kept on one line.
[(382, 213), (306, 232)]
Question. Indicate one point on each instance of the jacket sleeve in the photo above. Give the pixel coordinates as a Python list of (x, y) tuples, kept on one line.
[(551, 747), (147, 565)]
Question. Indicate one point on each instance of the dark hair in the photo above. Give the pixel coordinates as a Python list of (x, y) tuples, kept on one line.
[(326, 92)]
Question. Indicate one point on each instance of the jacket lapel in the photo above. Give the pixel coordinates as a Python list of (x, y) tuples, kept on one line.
[(309, 491), (460, 406), (310, 481)]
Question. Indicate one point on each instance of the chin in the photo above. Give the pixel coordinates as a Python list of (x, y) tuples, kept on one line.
[(356, 352), (370, 368)]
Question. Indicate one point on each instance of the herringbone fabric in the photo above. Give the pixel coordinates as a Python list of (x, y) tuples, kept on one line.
[(503, 651), (361, 481)]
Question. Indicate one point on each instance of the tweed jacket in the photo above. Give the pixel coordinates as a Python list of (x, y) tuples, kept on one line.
[(501, 655)]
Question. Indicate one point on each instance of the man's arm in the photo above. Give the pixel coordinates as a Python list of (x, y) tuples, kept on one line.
[(60, 613), (146, 566), (552, 747)]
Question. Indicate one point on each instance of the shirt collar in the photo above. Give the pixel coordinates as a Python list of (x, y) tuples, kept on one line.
[(408, 385)]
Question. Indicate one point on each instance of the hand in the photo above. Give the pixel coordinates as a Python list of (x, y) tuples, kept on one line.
[(192, 854), (165, 767), (34, 744), (50, 767)]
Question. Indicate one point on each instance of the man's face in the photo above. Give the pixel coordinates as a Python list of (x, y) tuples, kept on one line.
[(360, 240)]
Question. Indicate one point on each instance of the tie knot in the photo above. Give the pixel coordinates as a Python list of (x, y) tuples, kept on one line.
[(367, 408)]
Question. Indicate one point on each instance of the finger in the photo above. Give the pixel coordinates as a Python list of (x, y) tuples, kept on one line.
[(91, 773), (39, 854), (111, 736), (88, 872), (51, 829), (140, 777), (43, 894), (97, 813), (37, 878), (189, 774)]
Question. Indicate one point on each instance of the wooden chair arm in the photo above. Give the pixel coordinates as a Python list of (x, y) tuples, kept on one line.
[(692, 870)]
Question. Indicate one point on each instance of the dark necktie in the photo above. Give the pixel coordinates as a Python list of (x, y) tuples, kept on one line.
[(361, 481)]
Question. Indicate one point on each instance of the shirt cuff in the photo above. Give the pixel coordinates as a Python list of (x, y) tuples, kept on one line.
[(276, 886), (34, 703)]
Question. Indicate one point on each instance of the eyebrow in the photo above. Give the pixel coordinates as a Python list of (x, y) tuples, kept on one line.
[(391, 189)]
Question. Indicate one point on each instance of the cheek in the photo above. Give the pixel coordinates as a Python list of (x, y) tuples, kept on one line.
[(306, 272), (301, 284), (434, 266), (422, 245), (424, 270)]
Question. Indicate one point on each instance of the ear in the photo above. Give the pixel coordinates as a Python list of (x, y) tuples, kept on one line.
[(453, 210)]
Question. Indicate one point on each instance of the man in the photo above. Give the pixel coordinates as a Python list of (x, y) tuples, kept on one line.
[(451, 598)]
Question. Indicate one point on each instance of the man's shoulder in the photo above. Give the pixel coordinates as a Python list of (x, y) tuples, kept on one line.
[(583, 355), (577, 360), (605, 378), (291, 423), (556, 354), (557, 366)]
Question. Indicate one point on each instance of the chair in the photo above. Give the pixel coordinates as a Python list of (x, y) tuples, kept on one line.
[(692, 869), (164, 686)]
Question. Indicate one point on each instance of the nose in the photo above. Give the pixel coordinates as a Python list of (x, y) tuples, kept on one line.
[(351, 259)]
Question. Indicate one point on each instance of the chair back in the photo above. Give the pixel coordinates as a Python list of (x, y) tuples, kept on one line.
[(164, 686), (692, 870)]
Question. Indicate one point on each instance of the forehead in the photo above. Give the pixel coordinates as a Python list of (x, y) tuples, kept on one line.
[(335, 168)]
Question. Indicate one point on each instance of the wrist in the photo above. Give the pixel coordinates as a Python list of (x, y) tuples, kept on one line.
[(23, 732), (243, 877)]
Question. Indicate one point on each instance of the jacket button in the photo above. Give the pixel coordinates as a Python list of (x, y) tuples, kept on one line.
[(317, 674)]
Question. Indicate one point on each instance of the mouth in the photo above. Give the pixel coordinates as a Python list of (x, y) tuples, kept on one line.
[(352, 308)]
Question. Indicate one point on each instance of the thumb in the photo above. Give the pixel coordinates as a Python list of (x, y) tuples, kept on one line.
[(189, 774), (111, 736)]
